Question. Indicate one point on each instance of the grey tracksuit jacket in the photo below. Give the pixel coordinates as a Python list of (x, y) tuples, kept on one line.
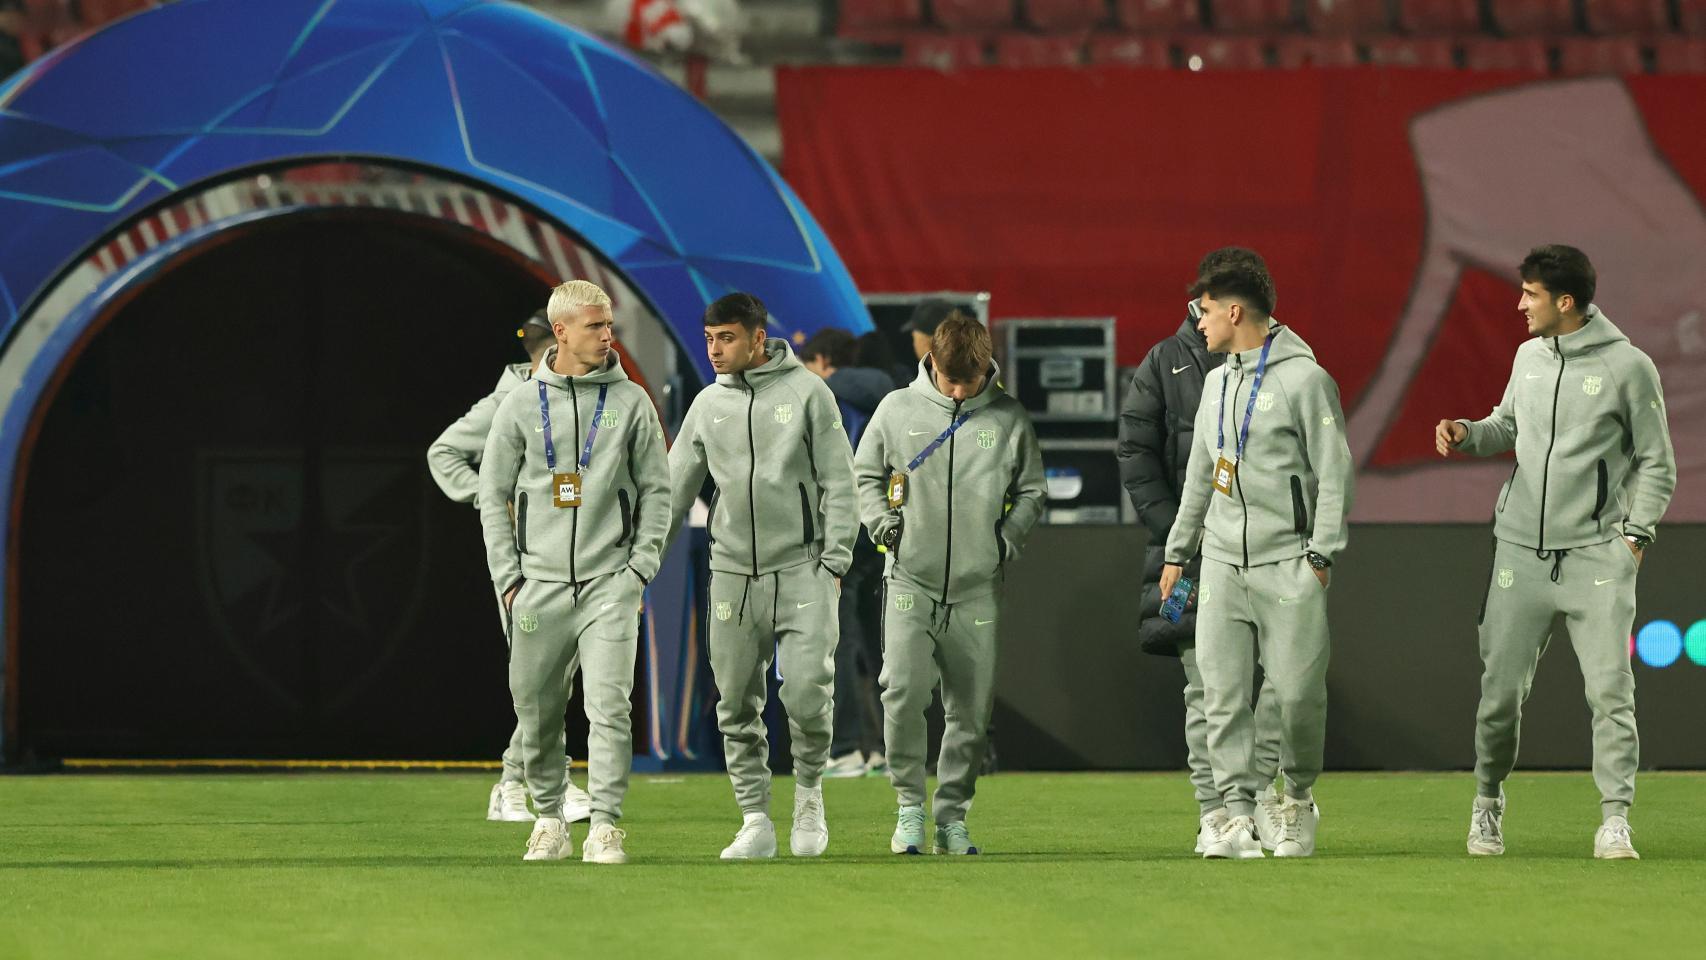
[(958, 532), (1292, 491), (1593, 458), (454, 458), (771, 441)]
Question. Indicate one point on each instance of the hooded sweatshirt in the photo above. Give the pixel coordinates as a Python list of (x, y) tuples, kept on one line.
[(1292, 490), (454, 458), (771, 440), (1586, 416), (623, 516), (970, 505)]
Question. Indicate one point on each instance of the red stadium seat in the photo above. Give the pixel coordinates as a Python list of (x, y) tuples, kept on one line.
[(1251, 16), (1518, 17), (1223, 53), (1031, 50), (942, 53), (1679, 55), (1346, 16), (1432, 17), (1691, 16), (880, 14), (1627, 16), (973, 14), (1524, 55), (1066, 15), (1291, 53), (1160, 15), (1125, 50), (1582, 56), (1424, 54)]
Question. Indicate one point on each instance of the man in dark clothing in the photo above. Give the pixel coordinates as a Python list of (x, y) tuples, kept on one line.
[(1155, 432), (857, 747)]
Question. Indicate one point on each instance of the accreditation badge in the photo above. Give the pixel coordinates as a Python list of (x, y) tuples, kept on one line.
[(565, 489), (1224, 472), (897, 490)]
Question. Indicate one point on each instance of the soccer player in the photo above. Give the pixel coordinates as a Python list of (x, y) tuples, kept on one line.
[(454, 459), (1594, 473), (950, 483), (1156, 434), (1267, 489), (581, 454), (781, 525)]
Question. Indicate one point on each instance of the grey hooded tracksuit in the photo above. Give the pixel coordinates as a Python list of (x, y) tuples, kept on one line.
[(1290, 496), (969, 508), (1586, 416), (781, 528), (581, 570), (454, 460)]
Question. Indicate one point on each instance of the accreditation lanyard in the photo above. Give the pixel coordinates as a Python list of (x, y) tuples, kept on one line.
[(591, 435), (1249, 407), (936, 444)]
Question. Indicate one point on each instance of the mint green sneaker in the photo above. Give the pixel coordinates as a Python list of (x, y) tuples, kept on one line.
[(908, 831), (952, 838)]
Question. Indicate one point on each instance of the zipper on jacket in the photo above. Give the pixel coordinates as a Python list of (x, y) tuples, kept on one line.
[(1299, 513), (948, 554), (575, 520), (752, 474), (1546, 468), (806, 516), (521, 522), (1600, 497)]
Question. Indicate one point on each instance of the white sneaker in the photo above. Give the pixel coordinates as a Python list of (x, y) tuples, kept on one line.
[(1269, 825), (577, 806), (845, 766), (1612, 841), (755, 841), (604, 845), (508, 803), (550, 840), (1209, 827), (955, 840), (810, 835), (908, 831), (1235, 841), (1486, 826), (1298, 819), (876, 765)]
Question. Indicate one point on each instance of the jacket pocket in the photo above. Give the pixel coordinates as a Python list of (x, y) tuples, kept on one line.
[(711, 516), (806, 516), (1599, 498), (1510, 484), (1299, 513), (1000, 547), (521, 522), (627, 517)]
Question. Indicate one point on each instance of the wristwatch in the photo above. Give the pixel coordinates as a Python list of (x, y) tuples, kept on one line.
[(1639, 542), (1317, 561)]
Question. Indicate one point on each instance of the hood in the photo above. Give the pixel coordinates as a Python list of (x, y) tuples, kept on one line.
[(1598, 331), (612, 372), (1189, 333), (861, 388), (925, 384), (1287, 346), (782, 361)]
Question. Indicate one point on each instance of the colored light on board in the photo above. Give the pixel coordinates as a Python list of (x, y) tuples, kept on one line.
[(1659, 643), (1694, 642)]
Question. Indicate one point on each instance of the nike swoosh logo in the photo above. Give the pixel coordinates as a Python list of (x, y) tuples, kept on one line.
[(1531, 376), (720, 419), (1288, 599), (607, 606), (1179, 370), (802, 606), (538, 429), (982, 623), (1601, 583), (916, 433)]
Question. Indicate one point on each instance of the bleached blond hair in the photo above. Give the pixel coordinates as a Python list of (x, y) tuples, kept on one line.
[(572, 296)]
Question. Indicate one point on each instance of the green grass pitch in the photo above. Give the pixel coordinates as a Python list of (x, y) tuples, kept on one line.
[(1078, 866)]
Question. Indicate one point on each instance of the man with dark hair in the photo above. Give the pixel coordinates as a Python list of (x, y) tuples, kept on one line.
[(1267, 489), (926, 317), (1156, 433), (781, 525), (454, 459), (857, 747), (1594, 472), (950, 482)]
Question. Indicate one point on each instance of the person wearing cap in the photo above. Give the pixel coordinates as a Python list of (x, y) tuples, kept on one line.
[(580, 451), (950, 480), (454, 460), (782, 523)]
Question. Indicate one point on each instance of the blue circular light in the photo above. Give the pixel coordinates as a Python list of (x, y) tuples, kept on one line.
[(1694, 642), (1659, 643)]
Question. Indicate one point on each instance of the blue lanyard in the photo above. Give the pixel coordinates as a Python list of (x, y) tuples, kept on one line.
[(1249, 408), (591, 435), (936, 444)]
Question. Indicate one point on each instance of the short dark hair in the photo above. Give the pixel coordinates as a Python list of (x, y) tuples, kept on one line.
[(1237, 256), (1244, 281), (833, 344), (1561, 269), (535, 333), (960, 348), (742, 308), (874, 352), (927, 316)]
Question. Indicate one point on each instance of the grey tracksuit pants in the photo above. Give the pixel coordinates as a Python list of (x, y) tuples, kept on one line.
[(1280, 608), (792, 613), (924, 640), (550, 624), (1595, 591), (512, 758), (1267, 719)]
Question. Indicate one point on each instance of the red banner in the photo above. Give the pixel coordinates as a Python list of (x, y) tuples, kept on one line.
[(1392, 207)]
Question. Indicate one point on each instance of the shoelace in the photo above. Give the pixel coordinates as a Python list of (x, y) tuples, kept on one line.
[(1238, 826), (1291, 822), (1273, 810), (1487, 823), (1617, 835), (749, 831), (606, 835), (912, 822), (957, 831), (543, 837), (514, 795), (809, 815)]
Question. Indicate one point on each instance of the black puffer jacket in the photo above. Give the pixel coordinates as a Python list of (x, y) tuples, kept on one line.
[(1155, 443)]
